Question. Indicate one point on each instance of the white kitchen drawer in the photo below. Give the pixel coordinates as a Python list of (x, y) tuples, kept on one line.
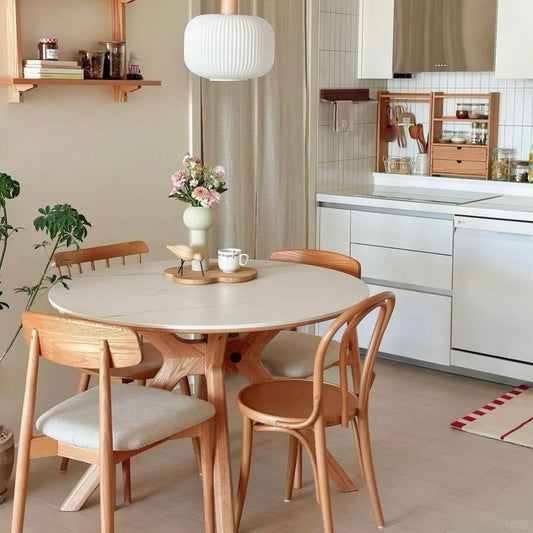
[(334, 230), (402, 231), (419, 327), (404, 266)]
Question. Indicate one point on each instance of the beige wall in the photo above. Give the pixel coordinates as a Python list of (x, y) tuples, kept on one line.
[(75, 145)]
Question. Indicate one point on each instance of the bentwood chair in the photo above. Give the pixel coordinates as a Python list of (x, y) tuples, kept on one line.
[(107, 424), (304, 408), (290, 354), (76, 262)]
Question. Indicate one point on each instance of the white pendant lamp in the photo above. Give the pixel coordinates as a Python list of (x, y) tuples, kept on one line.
[(229, 46)]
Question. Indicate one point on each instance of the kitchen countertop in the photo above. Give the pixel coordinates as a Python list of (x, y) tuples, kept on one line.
[(452, 196)]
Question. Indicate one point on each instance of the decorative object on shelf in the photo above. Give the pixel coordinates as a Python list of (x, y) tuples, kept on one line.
[(134, 67), (229, 46), (186, 253), (200, 186)]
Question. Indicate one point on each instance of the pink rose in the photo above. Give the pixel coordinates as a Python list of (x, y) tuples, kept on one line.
[(179, 179)]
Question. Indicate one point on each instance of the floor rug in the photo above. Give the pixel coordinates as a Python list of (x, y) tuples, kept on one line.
[(508, 418)]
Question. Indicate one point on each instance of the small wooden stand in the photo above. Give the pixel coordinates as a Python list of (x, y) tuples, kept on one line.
[(213, 275)]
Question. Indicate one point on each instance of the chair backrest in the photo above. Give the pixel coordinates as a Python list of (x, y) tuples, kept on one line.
[(64, 260), (349, 351), (321, 258), (80, 343)]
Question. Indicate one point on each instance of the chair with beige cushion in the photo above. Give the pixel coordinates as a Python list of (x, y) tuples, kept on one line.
[(108, 424), (76, 262), (304, 408), (290, 354)]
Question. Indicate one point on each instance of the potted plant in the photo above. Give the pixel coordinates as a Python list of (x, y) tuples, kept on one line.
[(64, 226)]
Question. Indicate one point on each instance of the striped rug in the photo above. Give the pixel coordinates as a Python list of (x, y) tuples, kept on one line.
[(508, 418)]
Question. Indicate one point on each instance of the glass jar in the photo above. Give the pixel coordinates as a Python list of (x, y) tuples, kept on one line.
[(483, 133), (474, 111), (47, 49), (484, 111), (114, 59), (461, 110), (92, 62), (500, 164), (519, 170)]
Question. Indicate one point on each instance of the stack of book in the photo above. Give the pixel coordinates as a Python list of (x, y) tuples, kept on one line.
[(47, 68)]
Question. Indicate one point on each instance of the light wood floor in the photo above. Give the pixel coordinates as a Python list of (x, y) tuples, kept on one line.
[(432, 479)]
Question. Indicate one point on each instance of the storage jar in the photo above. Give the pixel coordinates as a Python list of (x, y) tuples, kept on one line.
[(92, 62), (48, 49), (500, 164), (115, 59), (519, 170)]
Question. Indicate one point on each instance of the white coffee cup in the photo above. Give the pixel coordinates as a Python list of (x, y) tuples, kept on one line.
[(231, 259)]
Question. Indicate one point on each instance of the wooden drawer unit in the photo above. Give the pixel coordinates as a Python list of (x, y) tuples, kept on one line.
[(469, 160), (460, 152)]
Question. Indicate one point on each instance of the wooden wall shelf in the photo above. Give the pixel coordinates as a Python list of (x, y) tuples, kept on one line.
[(19, 85)]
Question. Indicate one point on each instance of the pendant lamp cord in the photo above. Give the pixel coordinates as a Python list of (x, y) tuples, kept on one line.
[(229, 7)]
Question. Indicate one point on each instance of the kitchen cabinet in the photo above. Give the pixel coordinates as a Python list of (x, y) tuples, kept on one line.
[(376, 30), (469, 160), (411, 255), (19, 85), (513, 36)]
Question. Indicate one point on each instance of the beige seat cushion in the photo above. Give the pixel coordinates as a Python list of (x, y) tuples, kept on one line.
[(291, 354), (141, 416)]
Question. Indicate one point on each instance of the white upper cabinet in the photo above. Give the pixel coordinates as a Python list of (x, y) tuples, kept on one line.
[(513, 39), (376, 32)]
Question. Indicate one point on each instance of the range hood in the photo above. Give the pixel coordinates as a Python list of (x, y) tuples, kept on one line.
[(444, 35)]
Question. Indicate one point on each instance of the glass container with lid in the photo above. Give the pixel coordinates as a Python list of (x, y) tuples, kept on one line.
[(500, 164), (519, 170)]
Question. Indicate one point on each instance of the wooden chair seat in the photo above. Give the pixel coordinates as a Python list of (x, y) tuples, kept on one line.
[(291, 401)]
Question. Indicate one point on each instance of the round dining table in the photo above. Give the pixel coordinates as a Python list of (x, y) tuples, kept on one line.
[(283, 295)]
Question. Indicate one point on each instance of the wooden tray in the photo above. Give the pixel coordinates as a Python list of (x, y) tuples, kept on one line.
[(213, 275)]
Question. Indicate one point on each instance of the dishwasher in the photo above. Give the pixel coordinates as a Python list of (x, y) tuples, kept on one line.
[(492, 298)]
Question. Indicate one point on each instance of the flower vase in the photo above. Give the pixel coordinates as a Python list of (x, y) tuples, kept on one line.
[(199, 220)]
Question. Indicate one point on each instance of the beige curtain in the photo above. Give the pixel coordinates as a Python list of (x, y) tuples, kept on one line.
[(257, 130)]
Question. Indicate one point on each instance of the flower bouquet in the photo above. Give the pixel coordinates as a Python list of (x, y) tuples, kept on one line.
[(197, 184)]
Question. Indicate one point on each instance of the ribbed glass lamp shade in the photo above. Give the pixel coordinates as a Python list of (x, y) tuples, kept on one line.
[(229, 47)]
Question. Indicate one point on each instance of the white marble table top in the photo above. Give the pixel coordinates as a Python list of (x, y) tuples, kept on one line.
[(139, 295)]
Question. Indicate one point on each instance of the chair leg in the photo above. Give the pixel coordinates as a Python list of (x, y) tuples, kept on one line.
[(107, 497), (298, 471), (368, 465), (357, 441), (21, 486), (323, 479), (207, 453), (185, 389), (244, 475), (83, 385), (126, 480), (294, 445)]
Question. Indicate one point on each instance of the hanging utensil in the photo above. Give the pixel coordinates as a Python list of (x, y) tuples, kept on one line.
[(422, 138), (389, 134), (400, 137)]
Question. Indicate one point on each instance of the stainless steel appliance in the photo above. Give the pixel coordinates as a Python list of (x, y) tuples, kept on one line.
[(444, 35), (492, 302)]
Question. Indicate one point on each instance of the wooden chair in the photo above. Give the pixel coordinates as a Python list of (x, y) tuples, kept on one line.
[(77, 262), (108, 424), (290, 353), (303, 408)]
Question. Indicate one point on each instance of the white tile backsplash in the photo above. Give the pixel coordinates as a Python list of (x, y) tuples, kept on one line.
[(348, 158)]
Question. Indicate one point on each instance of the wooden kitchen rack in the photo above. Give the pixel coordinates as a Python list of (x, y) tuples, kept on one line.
[(384, 99)]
